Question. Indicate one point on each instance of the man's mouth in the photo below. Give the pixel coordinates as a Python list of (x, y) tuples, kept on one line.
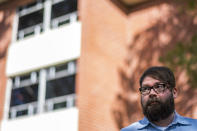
[(153, 103)]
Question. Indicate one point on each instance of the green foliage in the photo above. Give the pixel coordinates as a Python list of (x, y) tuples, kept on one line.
[(187, 6), (192, 4), (184, 57)]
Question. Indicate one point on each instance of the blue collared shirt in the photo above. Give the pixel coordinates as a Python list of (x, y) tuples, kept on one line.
[(179, 123)]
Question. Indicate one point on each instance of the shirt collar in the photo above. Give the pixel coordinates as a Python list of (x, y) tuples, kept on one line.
[(180, 119), (143, 123), (177, 119)]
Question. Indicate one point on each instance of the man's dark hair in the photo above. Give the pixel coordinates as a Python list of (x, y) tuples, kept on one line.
[(161, 73)]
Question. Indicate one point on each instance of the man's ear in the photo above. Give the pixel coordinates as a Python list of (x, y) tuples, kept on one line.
[(175, 92)]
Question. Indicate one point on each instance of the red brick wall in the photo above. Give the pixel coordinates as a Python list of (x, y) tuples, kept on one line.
[(6, 18), (103, 41), (13, 4), (116, 48)]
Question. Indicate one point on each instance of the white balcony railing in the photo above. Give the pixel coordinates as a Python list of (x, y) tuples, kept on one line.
[(31, 108), (68, 99), (35, 29), (71, 17)]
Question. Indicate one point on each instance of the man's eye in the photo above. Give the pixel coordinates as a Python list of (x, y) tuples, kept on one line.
[(145, 88), (160, 86)]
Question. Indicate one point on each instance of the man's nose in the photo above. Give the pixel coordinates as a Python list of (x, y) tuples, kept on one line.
[(152, 92)]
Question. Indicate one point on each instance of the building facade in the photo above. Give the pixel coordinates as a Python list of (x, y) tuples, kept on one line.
[(71, 65), (42, 48), (120, 39)]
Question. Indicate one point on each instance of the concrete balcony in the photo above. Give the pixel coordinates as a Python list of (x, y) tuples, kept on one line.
[(59, 120), (48, 48)]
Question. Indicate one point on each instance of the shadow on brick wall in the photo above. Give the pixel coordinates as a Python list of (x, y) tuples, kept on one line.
[(145, 50), (132, 6), (5, 26)]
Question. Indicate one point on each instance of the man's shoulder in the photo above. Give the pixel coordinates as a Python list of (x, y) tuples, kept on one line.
[(134, 126), (188, 120), (188, 123)]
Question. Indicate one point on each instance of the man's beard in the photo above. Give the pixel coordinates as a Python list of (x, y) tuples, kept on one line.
[(156, 110)]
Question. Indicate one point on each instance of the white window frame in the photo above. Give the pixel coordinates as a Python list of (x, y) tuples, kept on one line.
[(47, 24), (42, 104)]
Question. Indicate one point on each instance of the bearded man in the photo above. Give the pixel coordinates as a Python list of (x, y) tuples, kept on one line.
[(158, 91)]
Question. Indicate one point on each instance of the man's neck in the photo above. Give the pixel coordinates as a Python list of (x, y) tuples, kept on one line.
[(165, 122)]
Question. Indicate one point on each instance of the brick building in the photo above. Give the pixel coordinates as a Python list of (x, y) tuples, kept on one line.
[(40, 47), (120, 39), (116, 40)]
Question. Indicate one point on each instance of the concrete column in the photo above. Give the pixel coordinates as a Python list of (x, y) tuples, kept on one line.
[(15, 27), (42, 91), (47, 14)]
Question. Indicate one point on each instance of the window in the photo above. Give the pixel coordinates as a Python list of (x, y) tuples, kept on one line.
[(34, 18), (60, 86), (63, 12), (24, 95), (30, 19), (59, 90)]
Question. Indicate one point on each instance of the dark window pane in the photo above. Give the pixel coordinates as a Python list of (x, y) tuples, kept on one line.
[(25, 77), (13, 81), (30, 19), (60, 87), (61, 67), (24, 95), (21, 113), (59, 105), (63, 8)]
